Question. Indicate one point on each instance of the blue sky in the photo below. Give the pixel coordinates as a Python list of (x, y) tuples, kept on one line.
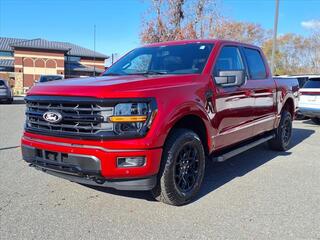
[(118, 22)]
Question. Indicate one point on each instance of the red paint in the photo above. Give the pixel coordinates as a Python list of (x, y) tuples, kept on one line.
[(309, 93), (239, 112)]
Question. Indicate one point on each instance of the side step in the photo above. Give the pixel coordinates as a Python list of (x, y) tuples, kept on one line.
[(234, 152)]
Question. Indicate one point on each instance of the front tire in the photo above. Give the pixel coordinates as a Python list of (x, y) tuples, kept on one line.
[(182, 168), (283, 133), (316, 120)]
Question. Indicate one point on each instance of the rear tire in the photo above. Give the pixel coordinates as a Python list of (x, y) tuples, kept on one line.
[(182, 168), (283, 133), (316, 120)]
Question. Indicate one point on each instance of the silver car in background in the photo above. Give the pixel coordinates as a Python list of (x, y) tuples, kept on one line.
[(6, 94), (309, 103)]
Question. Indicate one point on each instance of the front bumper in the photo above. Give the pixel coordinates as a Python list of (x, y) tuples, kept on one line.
[(5, 97), (92, 165)]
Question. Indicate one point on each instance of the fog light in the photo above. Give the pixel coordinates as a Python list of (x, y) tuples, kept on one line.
[(124, 162)]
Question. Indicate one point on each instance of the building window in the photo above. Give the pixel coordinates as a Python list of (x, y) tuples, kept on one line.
[(6, 54), (72, 59)]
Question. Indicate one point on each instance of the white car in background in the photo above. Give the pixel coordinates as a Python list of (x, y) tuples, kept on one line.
[(309, 103)]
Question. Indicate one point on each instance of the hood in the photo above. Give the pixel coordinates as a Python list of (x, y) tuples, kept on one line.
[(112, 86)]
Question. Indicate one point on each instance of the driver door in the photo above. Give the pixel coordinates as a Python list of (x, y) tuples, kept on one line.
[(233, 104)]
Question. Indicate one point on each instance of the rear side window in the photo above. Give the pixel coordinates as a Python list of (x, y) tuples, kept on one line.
[(2, 83), (229, 59), (312, 83), (257, 69), (302, 81)]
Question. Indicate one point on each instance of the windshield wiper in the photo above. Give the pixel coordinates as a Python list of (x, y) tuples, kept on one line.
[(111, 74), (150, 72)]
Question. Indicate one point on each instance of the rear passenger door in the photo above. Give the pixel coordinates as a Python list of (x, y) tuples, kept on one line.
[(233, 105), (263, 90)]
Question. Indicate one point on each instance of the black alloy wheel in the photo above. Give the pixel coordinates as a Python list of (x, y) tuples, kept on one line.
[(182, 168), (187, 168)]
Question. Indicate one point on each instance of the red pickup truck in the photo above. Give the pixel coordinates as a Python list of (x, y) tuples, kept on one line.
[(155, 116)]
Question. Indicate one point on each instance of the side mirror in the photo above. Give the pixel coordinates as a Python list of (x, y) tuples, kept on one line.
[(230, 78)]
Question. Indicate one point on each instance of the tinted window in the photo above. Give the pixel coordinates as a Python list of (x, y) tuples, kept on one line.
[(255, 62), (312, 83), (173, 59), (50, 78), (6, 54), (2, 83), (229, 59), (139, 64), (302, 81)]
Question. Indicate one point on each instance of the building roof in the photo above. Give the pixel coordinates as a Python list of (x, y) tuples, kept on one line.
[(6, 62), (7, 44)]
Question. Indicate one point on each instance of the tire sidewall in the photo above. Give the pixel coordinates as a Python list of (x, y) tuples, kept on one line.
[(168, 178), (286, 116)]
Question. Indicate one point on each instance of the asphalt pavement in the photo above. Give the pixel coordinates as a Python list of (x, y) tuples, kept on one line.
[(259, 194)]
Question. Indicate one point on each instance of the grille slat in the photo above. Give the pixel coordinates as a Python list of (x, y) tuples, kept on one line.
[(96, 118), (77, 119), (91, 127)]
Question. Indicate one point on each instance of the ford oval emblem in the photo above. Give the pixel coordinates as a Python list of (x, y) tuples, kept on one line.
[(52, 117)]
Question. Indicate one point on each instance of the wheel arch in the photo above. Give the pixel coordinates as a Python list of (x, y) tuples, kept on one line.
[(195, 123), (289, 106)]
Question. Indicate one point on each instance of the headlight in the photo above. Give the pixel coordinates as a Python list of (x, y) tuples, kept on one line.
[(132, 118)]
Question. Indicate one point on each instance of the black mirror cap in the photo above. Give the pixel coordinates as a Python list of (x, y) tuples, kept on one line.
[(230, 78)]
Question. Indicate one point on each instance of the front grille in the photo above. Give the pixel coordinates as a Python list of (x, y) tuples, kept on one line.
[(80, 117)]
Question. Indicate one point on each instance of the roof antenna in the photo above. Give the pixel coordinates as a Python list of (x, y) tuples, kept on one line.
[(94, 50)]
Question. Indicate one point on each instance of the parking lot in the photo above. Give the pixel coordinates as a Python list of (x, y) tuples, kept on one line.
[(259, 194)]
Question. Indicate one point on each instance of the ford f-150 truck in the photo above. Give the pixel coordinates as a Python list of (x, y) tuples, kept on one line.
[(156, 115)]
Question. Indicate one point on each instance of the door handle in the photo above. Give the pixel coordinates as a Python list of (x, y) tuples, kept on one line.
[(249, 93)]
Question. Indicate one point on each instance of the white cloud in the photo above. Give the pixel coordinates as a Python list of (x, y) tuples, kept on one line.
[(311, 24)]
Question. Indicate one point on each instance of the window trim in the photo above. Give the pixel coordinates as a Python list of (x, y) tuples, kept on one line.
[(247, 64), (239, 47), (218, 55)]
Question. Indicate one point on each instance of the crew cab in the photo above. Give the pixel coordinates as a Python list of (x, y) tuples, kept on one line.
[(156, 115)]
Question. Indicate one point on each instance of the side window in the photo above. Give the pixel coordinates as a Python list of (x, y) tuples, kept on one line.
[(139, 64), (256, 66), (229, 59)]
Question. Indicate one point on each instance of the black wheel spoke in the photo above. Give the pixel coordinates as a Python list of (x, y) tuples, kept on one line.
[(186, 168)]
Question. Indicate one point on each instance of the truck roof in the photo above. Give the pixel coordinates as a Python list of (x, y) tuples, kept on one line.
[(299, 76), (214, 41)]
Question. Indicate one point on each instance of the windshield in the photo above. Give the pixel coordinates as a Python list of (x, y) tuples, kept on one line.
[(312, 83), (49, 78), (174, 59)]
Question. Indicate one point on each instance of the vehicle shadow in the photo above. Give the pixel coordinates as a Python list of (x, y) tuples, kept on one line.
[(310, 122), (16, 100), (218, 174)]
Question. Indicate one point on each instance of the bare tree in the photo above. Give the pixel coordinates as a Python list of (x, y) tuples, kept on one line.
[(178, 19), (240, 31)]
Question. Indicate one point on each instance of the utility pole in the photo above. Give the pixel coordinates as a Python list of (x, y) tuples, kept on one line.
[(274, 42), (94, 50)]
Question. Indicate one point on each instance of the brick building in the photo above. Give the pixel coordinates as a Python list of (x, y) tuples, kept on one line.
[(22, 61)]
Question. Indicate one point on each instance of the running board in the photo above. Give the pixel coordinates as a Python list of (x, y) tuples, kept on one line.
[(241, 149)]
